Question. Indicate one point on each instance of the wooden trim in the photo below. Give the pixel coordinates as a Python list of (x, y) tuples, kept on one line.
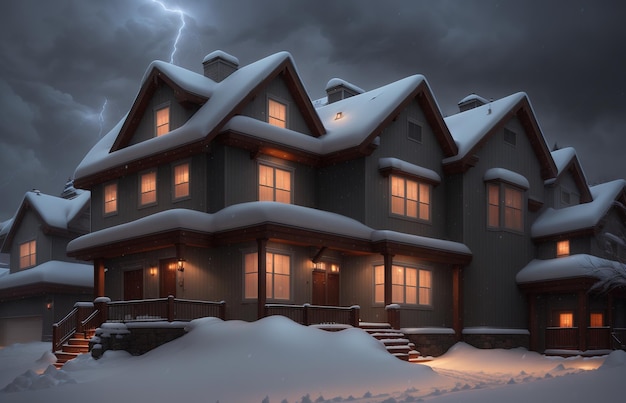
[(98, 278), (457, 302), (583, 320), (39, 289), (388, 286), (569, 235), (534, 205), (404, 174), (261, 277), (431, 255), (559, 285)]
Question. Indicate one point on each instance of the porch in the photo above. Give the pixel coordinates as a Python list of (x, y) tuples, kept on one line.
[(559, 340)]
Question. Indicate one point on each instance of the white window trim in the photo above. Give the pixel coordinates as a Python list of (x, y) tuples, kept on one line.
[(280, 101), (275, 166), (405, 216), (30, 263), (418, 268), (274, 251), (169, 118), (156, 188)]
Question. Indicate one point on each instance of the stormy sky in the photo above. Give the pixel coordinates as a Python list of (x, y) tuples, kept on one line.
[(70, 69)]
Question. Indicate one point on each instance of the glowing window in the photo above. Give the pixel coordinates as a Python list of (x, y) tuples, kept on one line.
[(276, 113), (162, 121), (566, 319), (596, 319), (505, 207), (28, 254), (562, 248), (409, 286), (410, 198), (274, 184), (147, 188), (181, 181), (110, 198), (277, 274)]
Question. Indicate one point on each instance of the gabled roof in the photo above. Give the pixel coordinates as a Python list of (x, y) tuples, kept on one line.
[(364, 116), (110, 158), (566, 160), (580, 217), (55, 213), (473, 128)]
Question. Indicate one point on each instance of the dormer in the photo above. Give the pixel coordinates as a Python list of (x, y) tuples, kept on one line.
[(338, 89), (218, 65), (471, 101)]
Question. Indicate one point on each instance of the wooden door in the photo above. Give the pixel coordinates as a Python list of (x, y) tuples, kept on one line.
[(325, 288), (133, 284), (167, 277)]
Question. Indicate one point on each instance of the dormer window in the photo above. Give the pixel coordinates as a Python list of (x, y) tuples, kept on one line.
[(562, 248), (414, 131), (276, 113), (28, 254), (410, 198), (510, 137), (504, 207), (162, 121)]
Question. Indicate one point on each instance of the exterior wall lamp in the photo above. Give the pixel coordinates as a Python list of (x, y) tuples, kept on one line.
[(181, 267), (153, 271), (339, 115)]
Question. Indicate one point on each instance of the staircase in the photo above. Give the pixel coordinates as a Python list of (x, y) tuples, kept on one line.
[(76, 345), (394, 340)]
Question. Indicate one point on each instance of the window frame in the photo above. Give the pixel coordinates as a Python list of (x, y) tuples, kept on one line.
[(141, 191), (158, 109), (186, 196), (420, 289), (509, 134), (502, 208), (569, 323), (563, 248), (275, 168), (597, 315), (271, 276), (114, 201), (272, 119), (418, 201), (28, 260), (408, 130)]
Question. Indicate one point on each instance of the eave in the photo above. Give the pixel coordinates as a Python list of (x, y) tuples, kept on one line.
[(562, 286), (428, 254), (40, 289)]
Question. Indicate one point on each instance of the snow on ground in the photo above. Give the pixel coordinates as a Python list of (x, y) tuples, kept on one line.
[(276, 360)]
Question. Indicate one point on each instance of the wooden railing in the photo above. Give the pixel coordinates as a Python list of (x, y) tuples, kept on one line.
[(562, 338), (316, 314), (169, 309), (599, 338), (64, 329)]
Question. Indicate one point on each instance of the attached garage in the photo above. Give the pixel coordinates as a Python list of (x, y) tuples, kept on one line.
[(20, 330)]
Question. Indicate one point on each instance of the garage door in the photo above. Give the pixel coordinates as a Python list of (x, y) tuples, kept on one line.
[(20, 330)]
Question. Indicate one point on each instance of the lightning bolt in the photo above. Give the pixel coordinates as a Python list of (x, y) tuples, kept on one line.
[(101, 116), (181, 14)]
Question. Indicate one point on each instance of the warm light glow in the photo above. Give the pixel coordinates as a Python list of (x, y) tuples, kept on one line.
[(276, 113), (162, 121), (334, 268), (339, 115), (181, 181), (49, 305), (110, 198), (596, 319), (409, 286), (153, 271), (566, 319), (181, 267), (410, 198), (28, 254), (274, 184), (562, 248), (148, 188), (277, 276)]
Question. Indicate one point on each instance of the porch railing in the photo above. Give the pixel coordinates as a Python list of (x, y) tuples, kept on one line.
[(599, 338), (64, 329), (562, 338), (316, 314), (169, 309)]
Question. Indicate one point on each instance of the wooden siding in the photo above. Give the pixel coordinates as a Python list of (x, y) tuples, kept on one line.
[(163, 96), (601, 244), (491, 295), (29, 230), (278, 90), (341, 189), (394, 142)]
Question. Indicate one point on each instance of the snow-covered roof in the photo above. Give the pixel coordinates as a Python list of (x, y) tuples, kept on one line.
[(581, 216), (404, 166), (250, 214), (51, 272), (336, 82), (507, 176), (473, 97), (567, 267), (222, 55), (562, 157)]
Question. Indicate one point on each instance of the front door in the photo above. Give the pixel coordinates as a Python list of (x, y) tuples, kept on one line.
[(167, 277), (325, 288), (133, 284)]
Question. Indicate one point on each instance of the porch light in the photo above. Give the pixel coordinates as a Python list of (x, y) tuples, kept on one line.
[(339, 115), (153, 271), (334, 268), (49, 304), (181, 268)]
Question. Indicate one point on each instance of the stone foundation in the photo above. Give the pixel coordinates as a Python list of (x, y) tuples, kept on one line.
[(432, 345), (488, 340)]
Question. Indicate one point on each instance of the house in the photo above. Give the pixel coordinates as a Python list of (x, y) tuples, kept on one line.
[(234, 186), (41, 284)]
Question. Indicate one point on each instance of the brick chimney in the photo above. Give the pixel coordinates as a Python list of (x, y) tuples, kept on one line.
[(218, 65), (338, 89)]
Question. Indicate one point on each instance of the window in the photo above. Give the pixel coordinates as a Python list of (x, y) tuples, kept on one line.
[(181, 181), (565, 197), (147, 189), (278, 273), (562, 248), (504, 207), (510, 137), (596, 319), (414, 131), (274, 184), (28, 254), (410, 198), (110, 198), (566, 319), (409, 285), (276, 113), (162, 121)]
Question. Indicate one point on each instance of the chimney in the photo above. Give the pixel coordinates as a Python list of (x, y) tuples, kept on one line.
[(218, 65), (471, 101), (338, 89)]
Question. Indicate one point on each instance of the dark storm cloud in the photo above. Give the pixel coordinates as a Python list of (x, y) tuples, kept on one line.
[(60, 60)]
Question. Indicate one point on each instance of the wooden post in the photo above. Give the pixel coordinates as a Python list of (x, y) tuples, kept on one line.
[(388, 259), (171, 314), (98, 278), (583, 320), (262, 279), (457, 302), (533, 324), (355, 315)]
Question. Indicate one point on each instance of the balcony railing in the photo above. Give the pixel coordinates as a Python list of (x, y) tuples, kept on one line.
[(316, 314), (169, 309), (567, 338)]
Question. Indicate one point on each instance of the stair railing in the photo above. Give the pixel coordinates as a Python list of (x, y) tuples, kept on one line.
[(64, 329)]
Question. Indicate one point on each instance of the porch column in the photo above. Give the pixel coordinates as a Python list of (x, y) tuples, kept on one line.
[(388, 259), (457, 302), (533, 325), (609, 310), (98, 278), (583, 320), (262, 279)]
